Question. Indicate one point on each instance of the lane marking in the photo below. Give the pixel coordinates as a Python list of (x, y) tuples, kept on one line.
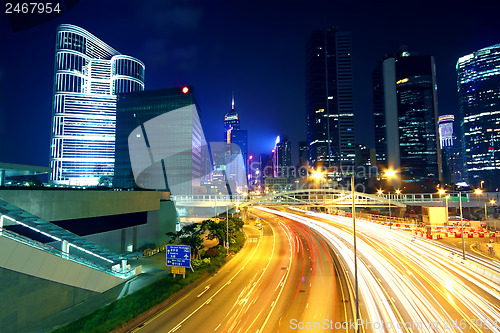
[(204, 291)]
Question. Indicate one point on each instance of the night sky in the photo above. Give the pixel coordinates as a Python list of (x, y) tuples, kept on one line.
[(254, 48)]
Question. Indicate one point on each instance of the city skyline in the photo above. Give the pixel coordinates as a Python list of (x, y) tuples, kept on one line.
[(172, 38)]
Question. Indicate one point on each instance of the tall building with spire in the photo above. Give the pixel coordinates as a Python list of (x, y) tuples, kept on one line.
[(88, 76), (233, 133)]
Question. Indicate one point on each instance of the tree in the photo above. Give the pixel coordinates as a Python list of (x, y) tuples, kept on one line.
[(190, 235), (105, 181), (215, 230)]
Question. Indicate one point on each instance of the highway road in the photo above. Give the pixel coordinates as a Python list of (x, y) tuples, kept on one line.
[(407, 283), (283, 276)]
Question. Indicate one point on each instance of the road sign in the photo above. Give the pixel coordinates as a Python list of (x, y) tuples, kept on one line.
[(178, 255), (178, 270)]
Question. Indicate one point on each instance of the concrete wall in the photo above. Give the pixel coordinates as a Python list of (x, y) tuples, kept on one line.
[(159, 222), (56, 205), (434, 215), (26, 300), (25, 259)]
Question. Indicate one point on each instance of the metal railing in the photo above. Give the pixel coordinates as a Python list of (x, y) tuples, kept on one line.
[(49, 249), (209, 197)]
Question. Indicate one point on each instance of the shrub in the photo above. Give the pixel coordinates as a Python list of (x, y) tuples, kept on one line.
[(212, 252)]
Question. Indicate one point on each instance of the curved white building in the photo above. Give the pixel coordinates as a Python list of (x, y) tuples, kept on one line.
[(88, 75)]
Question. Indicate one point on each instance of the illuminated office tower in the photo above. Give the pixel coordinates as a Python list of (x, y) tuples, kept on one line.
[(231, 123), (329, 99), (451, 150), (88, 75), (405, 116), (233, 133), (282, 158), (478, 80), (446, 130)]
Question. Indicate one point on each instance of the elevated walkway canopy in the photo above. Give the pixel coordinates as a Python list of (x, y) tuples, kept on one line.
[(12, 170)]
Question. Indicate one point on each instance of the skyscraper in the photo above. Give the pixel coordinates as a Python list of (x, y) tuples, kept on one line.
[(159, 141), (478, 80), (451, 150), (88, 75), (303, 152), (233, 133), (405, 111), (231, 123), (446, 130), (329, 99), (282, 158)]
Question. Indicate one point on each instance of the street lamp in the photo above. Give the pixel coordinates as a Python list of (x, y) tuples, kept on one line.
[(492, 202), (447, 216), (441, 192), (390, 174), (462, 222), (319, 176), (355, 254), (227, 230)]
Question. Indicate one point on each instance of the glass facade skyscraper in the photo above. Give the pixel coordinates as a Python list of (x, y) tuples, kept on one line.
[(88, 75), (329, 99), (405, 114), (282, 158), (478, 80), (446, 130), (233, 134), (159, 141)]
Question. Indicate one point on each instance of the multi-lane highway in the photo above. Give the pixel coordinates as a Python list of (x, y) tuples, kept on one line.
[(284, 275), (297, 274), (410, 284)]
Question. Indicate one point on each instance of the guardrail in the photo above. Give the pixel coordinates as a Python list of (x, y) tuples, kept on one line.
[(209, 197), (49, 249)]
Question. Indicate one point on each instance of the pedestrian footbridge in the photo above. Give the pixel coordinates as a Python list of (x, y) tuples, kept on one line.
[(336, 198)]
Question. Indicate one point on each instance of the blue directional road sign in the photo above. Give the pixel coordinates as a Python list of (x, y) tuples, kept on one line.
[(179, 255)]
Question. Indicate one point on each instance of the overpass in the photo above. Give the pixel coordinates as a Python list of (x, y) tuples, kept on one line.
[(308, 197), (337, 198)]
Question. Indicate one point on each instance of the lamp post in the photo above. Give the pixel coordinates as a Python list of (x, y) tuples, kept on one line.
[(441, 192), (492, 202), (389, 174), (319, 176), (462, 222), (390, 212), (478, 193), (355, 254), (227, 230), (447, 214)]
